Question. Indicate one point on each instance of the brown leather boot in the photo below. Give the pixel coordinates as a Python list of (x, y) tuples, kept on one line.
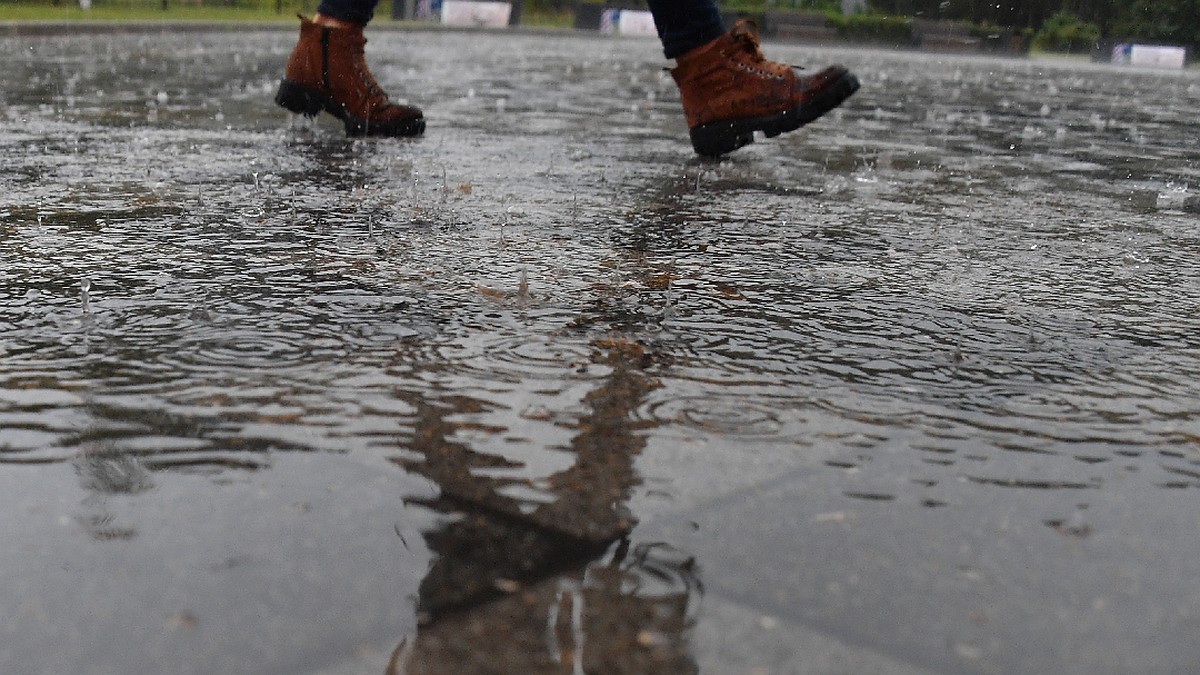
[(328, 70), (729, 91)]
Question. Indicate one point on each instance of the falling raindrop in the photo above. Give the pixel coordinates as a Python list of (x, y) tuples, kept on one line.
[(85, 285), (507, 216), (569, 595), (577, 631)]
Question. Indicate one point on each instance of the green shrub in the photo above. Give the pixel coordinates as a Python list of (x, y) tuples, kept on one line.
[(1065, 32), (895, 30)]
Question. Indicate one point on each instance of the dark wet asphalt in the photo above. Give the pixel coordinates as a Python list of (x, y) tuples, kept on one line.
[(910, 390)]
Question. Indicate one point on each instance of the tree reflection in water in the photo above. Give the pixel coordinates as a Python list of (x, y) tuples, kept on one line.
[(556, 586)]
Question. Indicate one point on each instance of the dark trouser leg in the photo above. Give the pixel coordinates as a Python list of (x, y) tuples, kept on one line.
[(684, 25), (358, 12)]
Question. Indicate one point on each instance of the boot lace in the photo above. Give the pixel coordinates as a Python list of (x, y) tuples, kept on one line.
[(745, 36), (378, 96)]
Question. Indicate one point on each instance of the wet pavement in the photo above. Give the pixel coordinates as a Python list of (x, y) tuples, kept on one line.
[(910, 390)]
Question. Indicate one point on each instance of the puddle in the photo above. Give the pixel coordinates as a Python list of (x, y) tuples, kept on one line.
[(259, 379)]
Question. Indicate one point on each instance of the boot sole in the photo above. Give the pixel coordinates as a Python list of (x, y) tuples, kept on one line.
[(718, 138), (304, 100)]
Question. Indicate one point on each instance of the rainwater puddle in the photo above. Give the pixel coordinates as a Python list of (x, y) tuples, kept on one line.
[(527, 391)]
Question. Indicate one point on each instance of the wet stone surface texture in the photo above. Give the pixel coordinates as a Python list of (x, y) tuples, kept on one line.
[(911, 390)]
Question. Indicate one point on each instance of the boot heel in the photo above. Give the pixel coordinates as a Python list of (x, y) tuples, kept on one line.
[(719, 138), (298, 98)]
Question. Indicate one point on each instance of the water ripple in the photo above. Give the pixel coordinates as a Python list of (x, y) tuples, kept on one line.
[(963, 273)]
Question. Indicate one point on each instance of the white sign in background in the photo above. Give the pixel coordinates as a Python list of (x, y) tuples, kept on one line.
[(476, 14), (628, 22)]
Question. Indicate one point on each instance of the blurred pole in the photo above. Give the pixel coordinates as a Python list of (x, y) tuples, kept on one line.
[(404, 10)]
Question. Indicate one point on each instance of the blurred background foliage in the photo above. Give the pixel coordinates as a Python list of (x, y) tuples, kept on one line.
[(1055, 25)]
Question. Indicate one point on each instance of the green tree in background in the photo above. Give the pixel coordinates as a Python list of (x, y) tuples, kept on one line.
[(1169, 21), (1064, 23), (1065, 32)]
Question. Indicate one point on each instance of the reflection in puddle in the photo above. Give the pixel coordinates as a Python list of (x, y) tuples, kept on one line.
[(113, 474), (505, 570), (634, 607)]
